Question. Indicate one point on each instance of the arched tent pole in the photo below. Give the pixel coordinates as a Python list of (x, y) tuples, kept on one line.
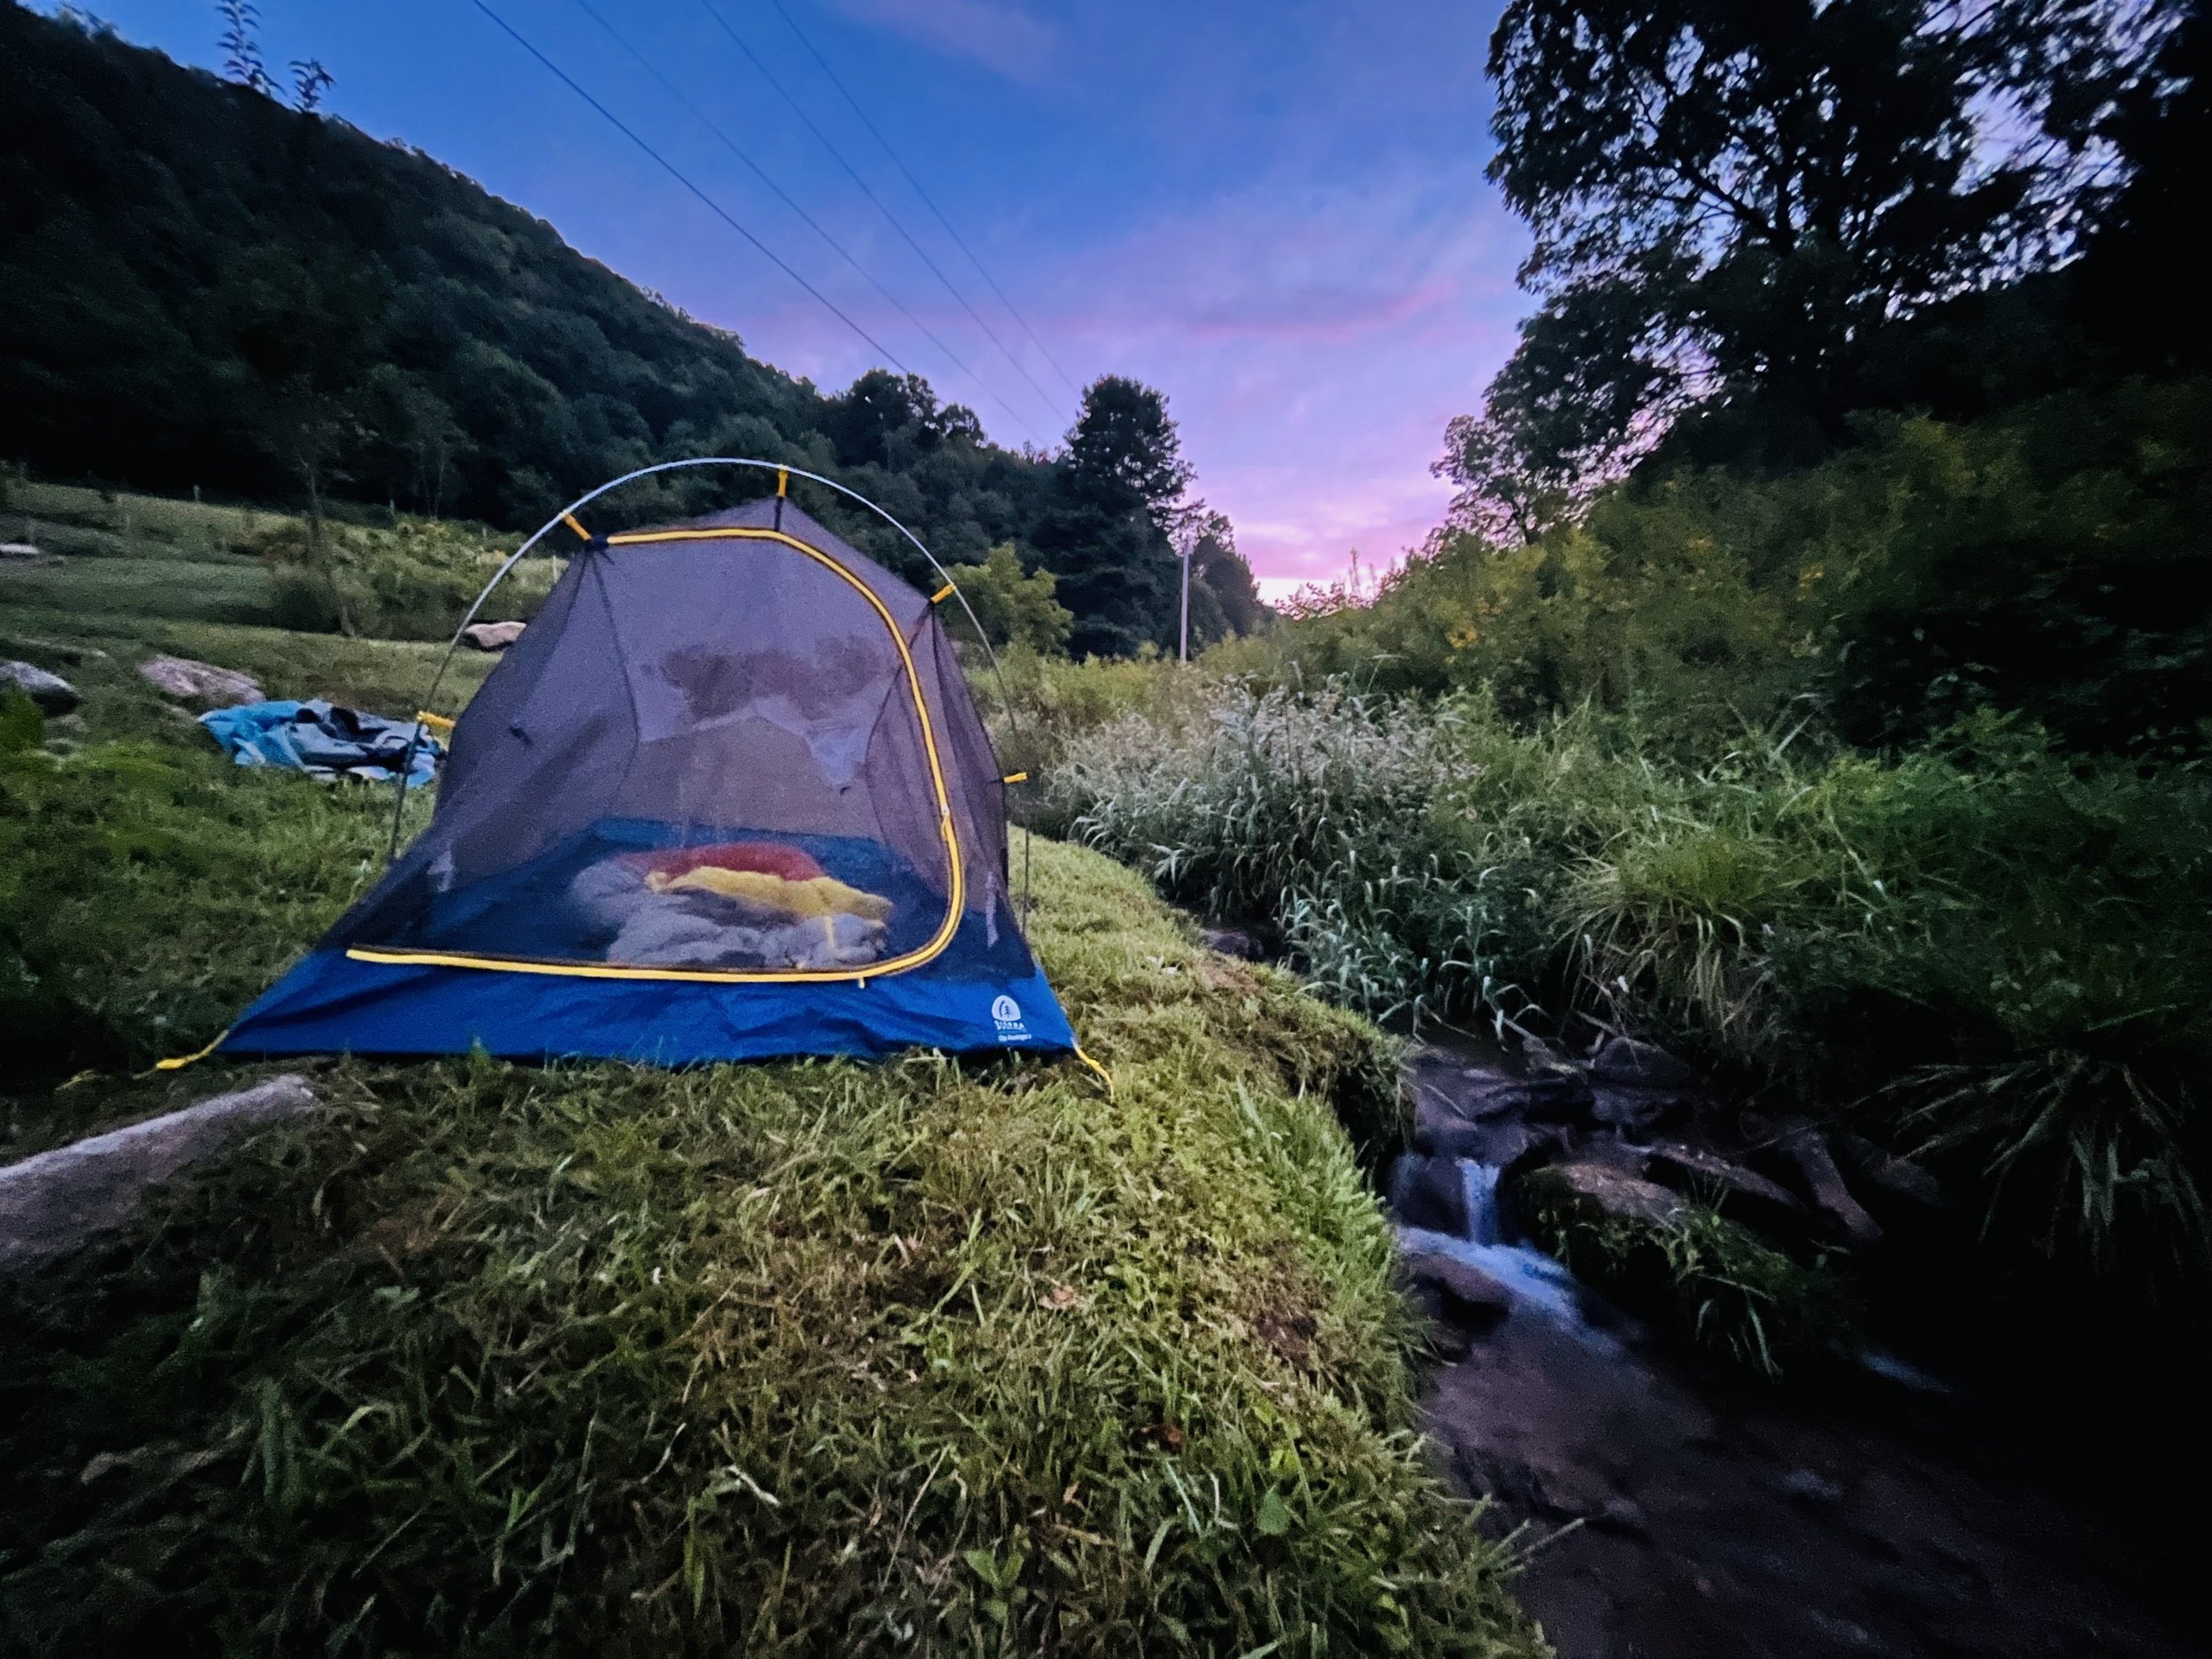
[(566, 516)]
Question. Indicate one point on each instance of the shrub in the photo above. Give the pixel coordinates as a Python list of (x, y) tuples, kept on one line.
[(412, 581), (1012, 608), (2048, 562)]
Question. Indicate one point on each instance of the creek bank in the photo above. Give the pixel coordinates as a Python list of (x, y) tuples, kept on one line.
[(1667, 1509)]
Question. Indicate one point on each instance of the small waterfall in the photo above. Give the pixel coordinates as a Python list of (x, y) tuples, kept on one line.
[(1479, 1183), (1537, 1284)]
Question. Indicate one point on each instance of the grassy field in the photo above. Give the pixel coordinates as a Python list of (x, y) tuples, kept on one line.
[(812, 1357)]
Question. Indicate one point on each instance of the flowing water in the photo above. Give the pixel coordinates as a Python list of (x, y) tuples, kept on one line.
[(1537, 1283)]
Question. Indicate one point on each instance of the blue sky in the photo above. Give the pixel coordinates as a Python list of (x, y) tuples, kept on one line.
[(1274, 212)]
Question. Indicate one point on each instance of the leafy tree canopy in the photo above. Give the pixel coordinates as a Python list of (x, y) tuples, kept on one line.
[(1731, 198)]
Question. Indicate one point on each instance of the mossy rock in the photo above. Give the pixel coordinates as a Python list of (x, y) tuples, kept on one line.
[(1687, 1269)]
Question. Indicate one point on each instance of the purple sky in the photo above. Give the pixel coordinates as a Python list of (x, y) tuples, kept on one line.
[(1274, 212)]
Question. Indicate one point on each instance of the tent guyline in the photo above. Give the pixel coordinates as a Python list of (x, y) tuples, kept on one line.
[(727, 798)]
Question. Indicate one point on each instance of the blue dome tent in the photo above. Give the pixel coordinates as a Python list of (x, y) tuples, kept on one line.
[(727, 798)]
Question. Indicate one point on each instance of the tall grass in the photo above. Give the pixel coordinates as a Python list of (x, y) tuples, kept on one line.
[(1981, 948)]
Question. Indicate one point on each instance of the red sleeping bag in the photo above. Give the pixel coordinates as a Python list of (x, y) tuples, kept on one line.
[(772, 858)]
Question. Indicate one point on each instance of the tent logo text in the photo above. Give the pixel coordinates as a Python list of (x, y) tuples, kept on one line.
[(1006, 1013)]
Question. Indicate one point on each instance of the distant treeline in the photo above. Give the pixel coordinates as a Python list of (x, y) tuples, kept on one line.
[(200, 286)]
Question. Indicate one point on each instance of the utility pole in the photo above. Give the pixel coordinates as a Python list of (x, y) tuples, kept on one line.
[(1183, 652)]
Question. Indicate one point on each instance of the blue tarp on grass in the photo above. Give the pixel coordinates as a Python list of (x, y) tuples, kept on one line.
[(323, 740)]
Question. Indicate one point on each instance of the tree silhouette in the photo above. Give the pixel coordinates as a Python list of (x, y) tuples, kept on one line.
[(241, 51)]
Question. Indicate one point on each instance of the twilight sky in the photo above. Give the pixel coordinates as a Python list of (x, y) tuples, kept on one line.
[(1275, 212)]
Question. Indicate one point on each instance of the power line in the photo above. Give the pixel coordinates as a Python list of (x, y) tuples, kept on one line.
[(923, 253), (782, 195), (926, 200), (673, 171)]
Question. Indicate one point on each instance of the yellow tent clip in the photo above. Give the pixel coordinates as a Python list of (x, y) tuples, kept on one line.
[(569, 518), (1014, 777), (179, 1062), (1094, 1067), (783, 482), (437, 722), (941, 594)]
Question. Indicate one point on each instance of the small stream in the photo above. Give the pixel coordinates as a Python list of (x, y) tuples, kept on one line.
[(1665, 1513)]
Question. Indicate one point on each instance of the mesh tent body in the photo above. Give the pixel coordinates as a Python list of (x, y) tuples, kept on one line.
[(727, 798)]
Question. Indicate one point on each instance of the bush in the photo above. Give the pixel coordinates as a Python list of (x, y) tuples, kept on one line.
[(1012, 608), (414, 582), (2048, 562)]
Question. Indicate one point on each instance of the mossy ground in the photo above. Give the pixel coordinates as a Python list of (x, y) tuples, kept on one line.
[(809, 1357)]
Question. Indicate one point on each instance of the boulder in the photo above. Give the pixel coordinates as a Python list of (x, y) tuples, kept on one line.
[(1242, 942), (52, 692), (493, 636), (1806, 1149), (1592, 1192), (57, 1203), (1872, 1168), (1629, 1063), (1465, 1293), (190, 681), (1429, 1193), (1739, 1192)]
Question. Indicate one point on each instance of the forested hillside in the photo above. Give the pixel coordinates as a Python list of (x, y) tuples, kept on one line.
[(200, 286)]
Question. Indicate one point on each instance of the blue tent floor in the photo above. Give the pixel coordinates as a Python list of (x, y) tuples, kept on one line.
[(331, 1004)]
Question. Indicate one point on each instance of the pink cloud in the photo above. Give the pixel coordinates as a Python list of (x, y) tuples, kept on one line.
[(1000, 37), (1313, 345)]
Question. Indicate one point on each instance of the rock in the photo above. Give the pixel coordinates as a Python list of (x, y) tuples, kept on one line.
[(493, 636), (1469, 1295), (1638, 1086), (58, 1201), (192, 681), (1241, 942), (1514, 1147), (1739, 1192), (52, 692), (1807, 1152), (1886, 1173), (1498, 1136), (1598, 1192), (1636, 1111), (1541, 1056), (1429, 1193), (1629, 1063)]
